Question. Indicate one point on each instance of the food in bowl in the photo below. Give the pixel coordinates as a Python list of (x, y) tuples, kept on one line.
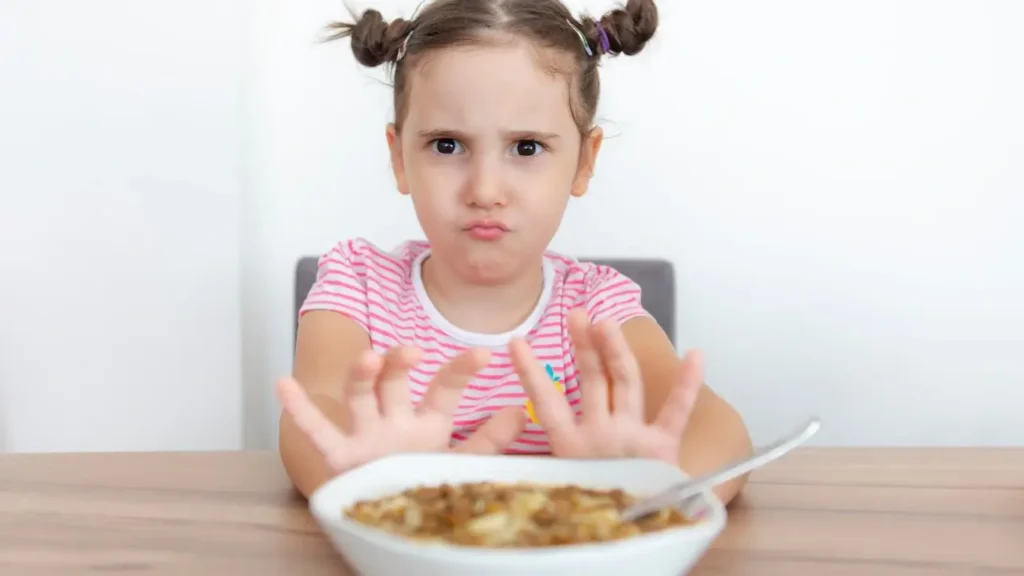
[(509, 515)]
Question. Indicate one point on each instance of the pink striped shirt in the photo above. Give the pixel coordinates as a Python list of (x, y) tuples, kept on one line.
[(383, 292)]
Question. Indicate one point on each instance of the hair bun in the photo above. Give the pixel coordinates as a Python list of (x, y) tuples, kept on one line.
[(628, 29), (374, 41)]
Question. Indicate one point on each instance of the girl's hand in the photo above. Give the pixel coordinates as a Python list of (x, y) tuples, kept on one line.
[(382, 418), (615, 429)]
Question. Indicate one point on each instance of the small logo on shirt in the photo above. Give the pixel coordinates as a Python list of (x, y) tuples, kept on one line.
[(556, 380), (551, 373)]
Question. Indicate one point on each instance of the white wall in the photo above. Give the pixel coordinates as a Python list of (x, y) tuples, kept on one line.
[(835, 181), (119, 224)]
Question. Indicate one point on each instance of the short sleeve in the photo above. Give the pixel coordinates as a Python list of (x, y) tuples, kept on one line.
[(609, 294), (340, 284)]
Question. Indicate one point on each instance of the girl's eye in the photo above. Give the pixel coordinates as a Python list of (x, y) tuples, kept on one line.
[(527, 148), (446, 146)]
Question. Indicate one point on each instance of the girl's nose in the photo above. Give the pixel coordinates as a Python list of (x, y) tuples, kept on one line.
[(485, 188)]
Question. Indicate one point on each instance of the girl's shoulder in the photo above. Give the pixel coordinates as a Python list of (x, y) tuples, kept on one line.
[(581, 281), (602, 290), (362, 256), (356, 274)]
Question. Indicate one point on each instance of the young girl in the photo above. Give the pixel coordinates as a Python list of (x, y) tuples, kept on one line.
[(480, 339)]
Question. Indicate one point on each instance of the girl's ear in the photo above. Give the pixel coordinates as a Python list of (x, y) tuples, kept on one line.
[(397, 161), (589, 149)]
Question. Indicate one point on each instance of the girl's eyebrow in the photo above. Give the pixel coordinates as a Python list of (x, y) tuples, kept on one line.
[(441, 133), (531, 135)]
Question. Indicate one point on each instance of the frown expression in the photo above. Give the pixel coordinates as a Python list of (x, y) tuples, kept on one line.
[(490, 154)]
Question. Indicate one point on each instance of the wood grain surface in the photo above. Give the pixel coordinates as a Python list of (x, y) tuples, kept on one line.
[(819, 511)]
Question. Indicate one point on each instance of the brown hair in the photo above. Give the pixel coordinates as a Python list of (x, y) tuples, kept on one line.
[(546, 23)]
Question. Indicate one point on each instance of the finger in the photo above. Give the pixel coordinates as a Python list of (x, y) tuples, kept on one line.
[(593, 384), (393, 383), (675, 413), (550, 405), (445, 390), (497, 434), (360, 396), (623, 370), (328, 439)]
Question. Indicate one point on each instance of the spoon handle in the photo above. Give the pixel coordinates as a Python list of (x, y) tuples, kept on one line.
[(694, 486)]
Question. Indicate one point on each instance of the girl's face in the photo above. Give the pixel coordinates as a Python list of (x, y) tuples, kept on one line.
[(490, 154)]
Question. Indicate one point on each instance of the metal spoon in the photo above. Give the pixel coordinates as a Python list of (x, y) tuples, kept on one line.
[(685, 490)]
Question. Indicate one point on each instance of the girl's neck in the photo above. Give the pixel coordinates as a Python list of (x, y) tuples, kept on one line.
[(483, 309)]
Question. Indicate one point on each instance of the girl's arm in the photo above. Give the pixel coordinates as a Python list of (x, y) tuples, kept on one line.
[(716, 434), (328, 345)]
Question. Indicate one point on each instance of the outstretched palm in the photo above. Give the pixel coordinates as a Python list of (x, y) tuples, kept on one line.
[(382, 418), (611, 425)]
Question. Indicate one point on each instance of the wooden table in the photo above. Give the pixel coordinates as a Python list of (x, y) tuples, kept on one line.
[(857, 512)]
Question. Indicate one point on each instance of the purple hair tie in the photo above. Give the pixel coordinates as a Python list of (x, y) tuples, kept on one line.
[(606, 47)]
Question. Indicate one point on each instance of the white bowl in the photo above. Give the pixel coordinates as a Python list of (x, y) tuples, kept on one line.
[(374, 552)]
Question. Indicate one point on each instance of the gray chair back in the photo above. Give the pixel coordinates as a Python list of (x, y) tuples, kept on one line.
[(655, 277)]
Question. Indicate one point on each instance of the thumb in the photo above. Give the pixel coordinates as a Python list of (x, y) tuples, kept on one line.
[(496, 434)]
